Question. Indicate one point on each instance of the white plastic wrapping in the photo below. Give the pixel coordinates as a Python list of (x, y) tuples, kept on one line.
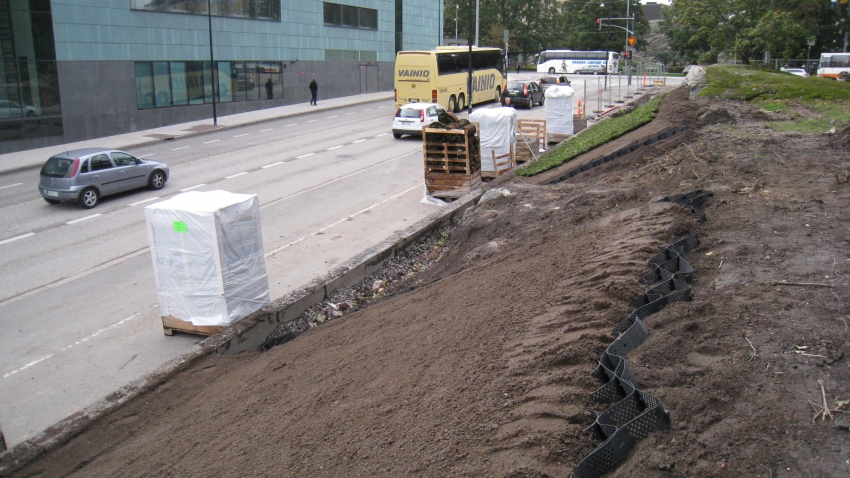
[(497, 133), (559, 109), (208, 260)]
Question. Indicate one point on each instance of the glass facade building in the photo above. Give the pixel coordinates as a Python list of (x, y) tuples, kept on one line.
[(82, 69)]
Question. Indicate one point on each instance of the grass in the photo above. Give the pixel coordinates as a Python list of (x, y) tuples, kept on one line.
[(593, 137), (748, 84), (808, 125)]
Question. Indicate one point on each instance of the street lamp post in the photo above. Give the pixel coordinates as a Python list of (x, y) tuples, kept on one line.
[(212, 63), (457, 13)]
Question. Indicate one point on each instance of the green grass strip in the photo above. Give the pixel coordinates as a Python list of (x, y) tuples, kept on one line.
[(745, 83), (593, 137)]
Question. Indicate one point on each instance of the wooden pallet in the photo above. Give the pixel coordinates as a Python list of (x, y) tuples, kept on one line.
[(532, 128), (170, 324), (501, 163), (451, 167), (527, 150)]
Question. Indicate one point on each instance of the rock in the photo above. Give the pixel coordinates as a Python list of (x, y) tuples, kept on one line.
[(337, 314), (343, 306), (377, 285), (493, 194), (321, 318)]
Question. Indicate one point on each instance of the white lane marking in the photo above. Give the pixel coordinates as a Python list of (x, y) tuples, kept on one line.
[(213, 141), (382, 134), (241, 135), (82, 340), (146, 155), (271, 165), (235, 175), (83, 219), (264, 130), (304, 155), (310, 121), (13, 372), (72, 278), (193, 187), (11, 185), (382, 107), (181, 147), (333, 148), (346, 218), (12, 239), (351, 113), (368, 109), (334, 116), (143, 201), (293, 124), (358, 141)]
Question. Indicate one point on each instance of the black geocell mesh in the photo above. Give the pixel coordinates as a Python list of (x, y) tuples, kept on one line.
[(635, 414)]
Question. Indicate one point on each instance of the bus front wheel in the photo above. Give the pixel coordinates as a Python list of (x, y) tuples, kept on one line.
[(551, 71), (452, 104)]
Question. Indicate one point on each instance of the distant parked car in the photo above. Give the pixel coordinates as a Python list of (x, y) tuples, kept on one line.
[(410, 118), (523, 92), (86, 175), (546, 81), (10, 109), (795, 71)]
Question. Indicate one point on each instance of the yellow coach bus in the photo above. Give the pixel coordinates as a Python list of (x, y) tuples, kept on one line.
[(440, 76)]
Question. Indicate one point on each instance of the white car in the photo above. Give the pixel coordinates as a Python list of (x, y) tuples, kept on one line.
[(410, 118), (10, 109), (794, 71)]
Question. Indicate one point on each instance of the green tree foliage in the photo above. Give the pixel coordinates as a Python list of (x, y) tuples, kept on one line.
[(703, 30)]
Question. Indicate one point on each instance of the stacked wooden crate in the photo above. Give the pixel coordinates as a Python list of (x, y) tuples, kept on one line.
[(531, 134), (452, 161), (501, 164)]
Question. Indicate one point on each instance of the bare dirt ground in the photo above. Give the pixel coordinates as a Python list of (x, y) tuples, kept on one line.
[(480, 365)]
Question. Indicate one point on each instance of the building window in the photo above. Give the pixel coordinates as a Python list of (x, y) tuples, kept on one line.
[(161, 84), (253, 9), (348, 16)]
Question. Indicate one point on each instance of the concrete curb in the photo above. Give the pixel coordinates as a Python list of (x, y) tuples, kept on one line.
[(39, 161), (244, 335)]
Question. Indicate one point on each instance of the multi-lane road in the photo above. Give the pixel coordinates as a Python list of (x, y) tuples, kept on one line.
[(79, 316)]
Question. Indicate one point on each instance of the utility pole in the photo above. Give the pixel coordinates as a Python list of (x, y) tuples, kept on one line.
[(477, 8), (469, 66), (457, 13), (212, 63)]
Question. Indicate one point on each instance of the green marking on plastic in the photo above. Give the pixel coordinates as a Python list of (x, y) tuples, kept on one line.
[(179, 226)]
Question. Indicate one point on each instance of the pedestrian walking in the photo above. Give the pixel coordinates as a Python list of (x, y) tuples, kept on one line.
[(314, 91), (269, 88), (517, 68)]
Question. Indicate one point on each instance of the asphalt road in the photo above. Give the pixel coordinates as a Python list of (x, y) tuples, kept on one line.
[(78, 308)]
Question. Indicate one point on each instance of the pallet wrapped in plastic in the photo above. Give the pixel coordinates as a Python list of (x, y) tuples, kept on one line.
[(207, 252), (497, 133), (559, 110)]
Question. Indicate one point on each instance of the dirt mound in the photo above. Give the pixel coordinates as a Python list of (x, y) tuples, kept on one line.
[(481, 365)]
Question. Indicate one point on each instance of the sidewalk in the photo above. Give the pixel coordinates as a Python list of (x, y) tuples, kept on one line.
[(34, 158)]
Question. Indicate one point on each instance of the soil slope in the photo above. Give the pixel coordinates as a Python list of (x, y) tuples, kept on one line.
[(481, 365)]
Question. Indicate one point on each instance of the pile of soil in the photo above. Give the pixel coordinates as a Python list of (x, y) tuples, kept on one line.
[(481, 365)]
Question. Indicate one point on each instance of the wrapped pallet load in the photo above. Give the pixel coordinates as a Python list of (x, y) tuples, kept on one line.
[(559, 112), (208, 261), (498, 139)]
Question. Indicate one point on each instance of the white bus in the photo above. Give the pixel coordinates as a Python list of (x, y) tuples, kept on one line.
[(832, 64), (441, 76), (574, 61)]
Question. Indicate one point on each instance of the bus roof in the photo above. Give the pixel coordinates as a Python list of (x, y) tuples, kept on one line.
[(451, 49)]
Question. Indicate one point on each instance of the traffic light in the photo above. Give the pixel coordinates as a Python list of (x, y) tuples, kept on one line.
[(599, 24)]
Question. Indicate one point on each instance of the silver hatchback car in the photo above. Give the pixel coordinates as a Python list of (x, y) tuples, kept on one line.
[(86, 175)]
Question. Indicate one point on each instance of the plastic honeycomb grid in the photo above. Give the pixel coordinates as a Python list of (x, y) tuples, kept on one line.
[(635, 414)]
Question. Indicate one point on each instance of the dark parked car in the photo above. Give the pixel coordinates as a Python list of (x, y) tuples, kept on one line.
[(523, 92), (549, 80), (85, 175)]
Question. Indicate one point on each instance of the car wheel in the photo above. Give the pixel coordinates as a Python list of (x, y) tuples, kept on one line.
[(542, 99), (531, 102), (157, 180), (397, 135), (30, 114), (452, 104), (551, 71), (89, 198), (51, 201)]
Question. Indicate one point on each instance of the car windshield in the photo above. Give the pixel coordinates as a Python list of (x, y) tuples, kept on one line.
[(56, 167), (515, 85), (409, 113)]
